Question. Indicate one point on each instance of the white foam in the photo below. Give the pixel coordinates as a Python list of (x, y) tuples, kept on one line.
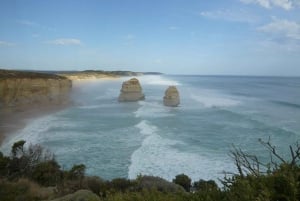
[(31, 133), (157, 80), (90, 106), (145, 128), (158, 157), (210, 98), (152, 109)]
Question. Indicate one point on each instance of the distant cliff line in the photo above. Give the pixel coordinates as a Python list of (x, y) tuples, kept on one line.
[(96, 74), (34, 87), (92, 74)]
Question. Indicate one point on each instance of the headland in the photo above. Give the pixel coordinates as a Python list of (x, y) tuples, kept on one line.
[(29, 94)]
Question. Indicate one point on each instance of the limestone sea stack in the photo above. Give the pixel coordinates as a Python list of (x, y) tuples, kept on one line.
[(171, 97), (131, 91)]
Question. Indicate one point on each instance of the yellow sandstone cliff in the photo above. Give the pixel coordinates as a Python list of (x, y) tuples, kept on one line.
[(131, 91), (25, 88)]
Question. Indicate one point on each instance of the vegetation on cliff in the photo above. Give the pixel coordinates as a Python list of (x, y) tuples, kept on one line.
[(96, 74), (32, 173), (8, 74)]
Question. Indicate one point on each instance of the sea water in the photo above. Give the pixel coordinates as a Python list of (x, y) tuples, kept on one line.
[(127, 139)]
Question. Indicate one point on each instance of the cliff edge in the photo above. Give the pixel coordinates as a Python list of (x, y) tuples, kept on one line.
[(18, 88), (97, 74)]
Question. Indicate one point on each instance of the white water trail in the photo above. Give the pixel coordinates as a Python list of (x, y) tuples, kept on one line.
[(158, 156)]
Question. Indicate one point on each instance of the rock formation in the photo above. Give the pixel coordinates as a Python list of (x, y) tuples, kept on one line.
[(26, 88), (171, 97), (131, 91)]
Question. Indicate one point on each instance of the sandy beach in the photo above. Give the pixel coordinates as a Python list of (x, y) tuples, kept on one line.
[(14, 119)]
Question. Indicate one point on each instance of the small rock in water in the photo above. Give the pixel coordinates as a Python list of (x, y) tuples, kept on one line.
[(171, 97)]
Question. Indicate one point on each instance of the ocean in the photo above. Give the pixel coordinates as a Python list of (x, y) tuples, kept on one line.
[(127, 139)]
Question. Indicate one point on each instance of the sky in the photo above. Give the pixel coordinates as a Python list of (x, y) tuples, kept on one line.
[(216, 37)]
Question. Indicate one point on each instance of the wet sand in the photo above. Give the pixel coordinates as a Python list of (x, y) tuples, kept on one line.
[(13, 119)]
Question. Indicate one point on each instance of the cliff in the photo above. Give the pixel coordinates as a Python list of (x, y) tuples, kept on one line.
[(131, 91), (19, 88), (97, 74)]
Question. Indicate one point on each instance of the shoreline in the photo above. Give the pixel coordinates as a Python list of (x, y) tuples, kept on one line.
[(15, 118)]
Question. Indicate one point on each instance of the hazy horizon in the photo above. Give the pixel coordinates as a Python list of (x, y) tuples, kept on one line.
[(233, 37)]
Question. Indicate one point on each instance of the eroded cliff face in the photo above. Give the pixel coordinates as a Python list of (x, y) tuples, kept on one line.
[(27, 90)]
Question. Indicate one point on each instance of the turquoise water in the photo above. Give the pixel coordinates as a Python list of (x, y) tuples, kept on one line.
[(126, 139)]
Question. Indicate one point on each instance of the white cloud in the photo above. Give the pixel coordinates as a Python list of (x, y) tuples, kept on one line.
[(6, 44), (35, 25), (229, 15), (65, 41), (281, 28), (285, 4)]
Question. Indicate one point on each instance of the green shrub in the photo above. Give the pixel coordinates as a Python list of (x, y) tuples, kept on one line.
[(205, 186), (157, 183), (147, 195), (121, 184), (4, 162), (23, 190), (77, 172), (184, 181), (96, 185), (47, 173)]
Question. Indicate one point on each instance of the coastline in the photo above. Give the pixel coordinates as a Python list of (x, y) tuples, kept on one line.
[(14, 119)]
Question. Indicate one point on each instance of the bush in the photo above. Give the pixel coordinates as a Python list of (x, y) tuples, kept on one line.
[(47, 173), (77, 172), (24, 190), (96, 185), (4, 162), (23, 161), (184, 181), (205, 186), (147, 195), (157, 183), (18, 148), (121, 184)]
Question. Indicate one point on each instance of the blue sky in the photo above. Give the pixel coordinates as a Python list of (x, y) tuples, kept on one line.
[(232, 37)]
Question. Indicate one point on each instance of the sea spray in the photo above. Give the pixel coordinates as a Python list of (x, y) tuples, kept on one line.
[(125, 139)]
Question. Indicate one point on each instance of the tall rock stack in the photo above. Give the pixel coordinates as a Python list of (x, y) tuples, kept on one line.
[(131, 91), (171, 97)]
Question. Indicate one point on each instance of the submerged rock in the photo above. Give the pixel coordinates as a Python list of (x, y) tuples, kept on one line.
[(171, 97), (131, 91)]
